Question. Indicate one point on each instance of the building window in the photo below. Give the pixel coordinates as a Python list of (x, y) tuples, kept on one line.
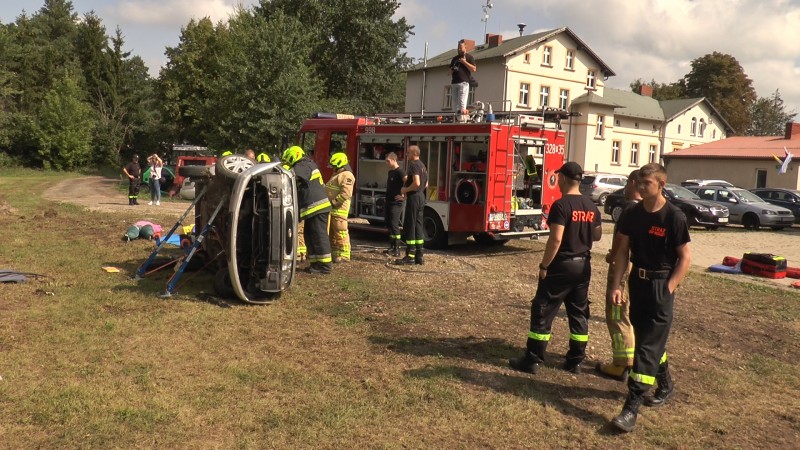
[(615, 152), (448, 98), (563, 99), (524, 93), (713, 134), (616, 122), (636, 125), (570, 60), (652, 155), (547, 53), (702, 127), (655, 128), (590, 79), (526, 58), (635, 154), (600, 126), (544, 97), (679, 129), (693, 130)]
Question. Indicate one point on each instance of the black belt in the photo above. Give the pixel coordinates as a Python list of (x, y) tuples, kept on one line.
[(571, 258), (651, 274)]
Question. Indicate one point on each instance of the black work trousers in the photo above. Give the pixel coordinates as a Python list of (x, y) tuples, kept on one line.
[(394, 212), (567, 282), (315, 232), (133, 190), (651, 317), (412, 223)]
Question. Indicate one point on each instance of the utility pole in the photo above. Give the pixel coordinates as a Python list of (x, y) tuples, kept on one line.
[(485, 19)]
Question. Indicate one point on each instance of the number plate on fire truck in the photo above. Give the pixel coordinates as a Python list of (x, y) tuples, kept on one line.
[(496, 217)]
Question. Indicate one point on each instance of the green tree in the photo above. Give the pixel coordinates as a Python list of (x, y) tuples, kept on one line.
[(769, 116), (661, 91), (721, 79), (65, 124)]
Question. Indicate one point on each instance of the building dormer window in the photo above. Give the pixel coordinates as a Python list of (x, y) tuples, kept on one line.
[(563, 99), (591, 79), (570, 60), (679, 129), (544, 97), (600, 126), (713, 134), (693, 130), (702, 127), (547, 54)]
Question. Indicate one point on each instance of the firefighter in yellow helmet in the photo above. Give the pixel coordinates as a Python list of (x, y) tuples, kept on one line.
[(340, 190), (302, 251), (314, 208), (263, 158)]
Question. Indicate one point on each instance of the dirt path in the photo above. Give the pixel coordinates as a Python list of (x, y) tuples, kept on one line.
[(102, 194)]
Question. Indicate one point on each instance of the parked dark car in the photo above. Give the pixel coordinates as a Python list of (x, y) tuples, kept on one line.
[(699, 212), (788, 198)]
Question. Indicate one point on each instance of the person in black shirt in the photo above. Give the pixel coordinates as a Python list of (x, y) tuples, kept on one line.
[(564, 274), (414, 191), (461, 67), (655, 234), (132, 171), (394, 203)]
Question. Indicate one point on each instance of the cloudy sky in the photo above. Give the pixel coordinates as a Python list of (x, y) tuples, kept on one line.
[(649, 39)]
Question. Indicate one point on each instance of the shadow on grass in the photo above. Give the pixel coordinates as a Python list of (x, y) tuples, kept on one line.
[(548, 393)]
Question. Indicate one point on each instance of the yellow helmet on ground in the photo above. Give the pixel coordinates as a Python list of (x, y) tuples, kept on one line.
[(292, 154), (263, 158), (338, 160), (227, 152)]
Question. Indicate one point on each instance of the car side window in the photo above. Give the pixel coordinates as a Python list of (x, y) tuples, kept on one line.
[(706, 194), (780, 196)]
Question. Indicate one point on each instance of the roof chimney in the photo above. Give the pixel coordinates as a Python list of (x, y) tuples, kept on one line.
[(646, 90), (792, 131), (470, 44), (493, 40)]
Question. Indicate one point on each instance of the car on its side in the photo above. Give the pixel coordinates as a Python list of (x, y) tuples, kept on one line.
[(746, 208), (787, 198), (701, 213), (598, 186), (697, 182)]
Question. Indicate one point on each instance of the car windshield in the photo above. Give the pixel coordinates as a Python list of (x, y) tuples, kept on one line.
[(747, 196), (681, 192)]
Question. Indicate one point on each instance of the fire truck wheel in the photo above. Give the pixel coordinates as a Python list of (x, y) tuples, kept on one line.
[(232, 165), (435, 235), (222, 284), (486, 239)]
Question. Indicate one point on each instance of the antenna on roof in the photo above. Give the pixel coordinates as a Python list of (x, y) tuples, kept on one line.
[(485, 19), (521, 27)]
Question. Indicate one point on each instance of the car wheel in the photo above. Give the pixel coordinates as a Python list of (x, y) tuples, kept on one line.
[(777, 228), (710, 228), (750, 222), (222, 284), (232, 165), (616, 212), (433, 230), (602, 199), (193, 171)]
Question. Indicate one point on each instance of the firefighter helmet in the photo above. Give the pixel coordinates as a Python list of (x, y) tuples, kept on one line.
[(292, 154), (227, 152), (338, 160), (263, 158)]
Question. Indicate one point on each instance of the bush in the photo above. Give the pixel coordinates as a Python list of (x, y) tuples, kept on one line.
[(8, 162)]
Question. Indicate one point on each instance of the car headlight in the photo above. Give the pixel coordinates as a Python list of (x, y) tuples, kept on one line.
[(769, 213), (286, 188), (701, 208)]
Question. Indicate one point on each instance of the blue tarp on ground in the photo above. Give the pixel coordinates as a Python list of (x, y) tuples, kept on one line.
[(173, 240)]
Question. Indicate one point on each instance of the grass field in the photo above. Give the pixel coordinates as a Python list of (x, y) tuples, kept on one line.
[(370, 357)]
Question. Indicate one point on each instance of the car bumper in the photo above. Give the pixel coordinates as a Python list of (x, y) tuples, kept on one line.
[(781, 220), (710, 220)]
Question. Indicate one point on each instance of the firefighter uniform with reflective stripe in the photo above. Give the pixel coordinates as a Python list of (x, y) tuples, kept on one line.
[(654, 238), (340, 190), (314, 210), (415, 209)]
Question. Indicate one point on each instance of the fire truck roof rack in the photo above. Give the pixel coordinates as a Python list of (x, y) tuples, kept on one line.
[(511, 117)]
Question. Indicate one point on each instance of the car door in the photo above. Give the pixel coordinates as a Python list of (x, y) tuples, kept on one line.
[(788, 200), (736, 208)]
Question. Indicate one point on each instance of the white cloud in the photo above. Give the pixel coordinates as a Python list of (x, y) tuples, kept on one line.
[(413, 10), (172, 13)]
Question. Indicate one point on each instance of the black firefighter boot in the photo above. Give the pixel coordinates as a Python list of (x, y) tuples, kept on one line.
[(418, 260), (664, 390), (626, 420), (408, 259), (531, 360)]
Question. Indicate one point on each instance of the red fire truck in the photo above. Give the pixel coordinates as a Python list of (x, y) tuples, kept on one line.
[(491, 180)]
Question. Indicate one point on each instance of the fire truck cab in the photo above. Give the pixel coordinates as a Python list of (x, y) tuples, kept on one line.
[(491, 180)]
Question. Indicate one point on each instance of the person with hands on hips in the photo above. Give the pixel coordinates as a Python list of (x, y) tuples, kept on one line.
[(564, 274)]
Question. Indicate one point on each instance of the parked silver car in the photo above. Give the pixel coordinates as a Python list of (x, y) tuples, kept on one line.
[(746, 208), (599, 185)]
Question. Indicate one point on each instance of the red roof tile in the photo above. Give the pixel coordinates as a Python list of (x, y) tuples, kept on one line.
[(741, 147)]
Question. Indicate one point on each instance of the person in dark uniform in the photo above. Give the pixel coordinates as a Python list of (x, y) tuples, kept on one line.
[(132, 170), (394, 203), (314, 208), (461, 68), (414, 191), (655, 234), (564, 274)]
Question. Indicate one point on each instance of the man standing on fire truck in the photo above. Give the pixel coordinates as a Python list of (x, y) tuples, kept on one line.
[(461, 67), (314, 208), (564, 274), (414, 191), (339, 190)]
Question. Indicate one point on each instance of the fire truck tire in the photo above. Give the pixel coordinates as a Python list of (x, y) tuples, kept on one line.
[(193, 171), (486, 239), (232, 165), (435, 234)]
